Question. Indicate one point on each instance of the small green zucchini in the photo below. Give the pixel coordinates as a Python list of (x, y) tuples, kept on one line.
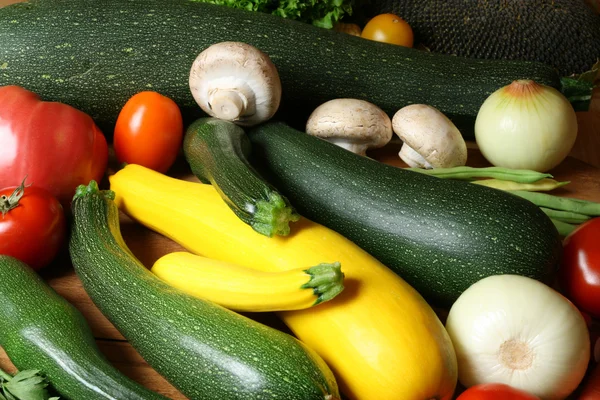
[(205, 350), (216, 151), (40, 330)]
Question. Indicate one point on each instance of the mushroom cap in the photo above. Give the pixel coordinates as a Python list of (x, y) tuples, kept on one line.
[(351, 119), (431, 134), (238, 68)]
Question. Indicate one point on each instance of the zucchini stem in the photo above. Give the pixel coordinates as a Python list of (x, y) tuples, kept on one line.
[(469, 173), (272, 217), (91, 188), (326, 280)]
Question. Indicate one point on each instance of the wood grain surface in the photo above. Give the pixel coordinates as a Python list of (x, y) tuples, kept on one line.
[(582, 168)]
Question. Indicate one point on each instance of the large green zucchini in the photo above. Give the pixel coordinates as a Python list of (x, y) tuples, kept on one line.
[(95, 54), (440, 235), (206, 351)]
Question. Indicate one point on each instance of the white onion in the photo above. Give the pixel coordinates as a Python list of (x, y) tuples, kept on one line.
[(515, 330), (526, 125)]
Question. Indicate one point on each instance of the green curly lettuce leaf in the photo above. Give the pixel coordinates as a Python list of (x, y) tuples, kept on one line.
[(321, 13)]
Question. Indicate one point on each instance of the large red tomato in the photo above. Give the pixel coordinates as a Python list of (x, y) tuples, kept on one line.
[(149, 131), (32, 225), (495, 391), (54, 145), (579, 274)]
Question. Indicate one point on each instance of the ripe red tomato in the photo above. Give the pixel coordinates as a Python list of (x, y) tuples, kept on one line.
[(495, 391), (149, 131), (33, 227), (389, 28), (579, 273)]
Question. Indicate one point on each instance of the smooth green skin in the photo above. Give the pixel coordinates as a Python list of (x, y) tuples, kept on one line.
[(216, 151), (440, 235), (41, 330), (204, 350), (96, 54)]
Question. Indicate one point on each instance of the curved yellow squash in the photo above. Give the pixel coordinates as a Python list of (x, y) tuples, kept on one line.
[(379, 336), (246, 289)]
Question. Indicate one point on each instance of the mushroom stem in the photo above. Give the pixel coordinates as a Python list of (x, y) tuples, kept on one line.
[(412, 158), (228, 104), (358, 148)]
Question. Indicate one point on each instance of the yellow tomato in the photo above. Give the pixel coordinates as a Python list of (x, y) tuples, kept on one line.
[(389, 28)]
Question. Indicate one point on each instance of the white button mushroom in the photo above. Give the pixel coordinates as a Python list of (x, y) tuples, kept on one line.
[(353, 124), (430, 139), (236, 82)]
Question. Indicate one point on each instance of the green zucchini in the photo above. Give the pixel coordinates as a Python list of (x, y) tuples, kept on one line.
[(205, 350), (216, 151), (40, 330), (94, 55), (440, 235)]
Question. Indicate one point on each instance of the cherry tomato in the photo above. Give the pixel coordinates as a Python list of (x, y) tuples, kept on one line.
[(579, 273), (389, 28), (495, 391), (149, 131), (33, 228)]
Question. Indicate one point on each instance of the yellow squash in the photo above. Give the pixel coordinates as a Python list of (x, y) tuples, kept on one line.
[(379, 336), (247, 289)]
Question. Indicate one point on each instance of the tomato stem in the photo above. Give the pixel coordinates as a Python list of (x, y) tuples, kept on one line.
[(7, 203)]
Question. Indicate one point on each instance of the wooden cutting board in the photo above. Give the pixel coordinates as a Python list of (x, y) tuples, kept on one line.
[(148, 246)]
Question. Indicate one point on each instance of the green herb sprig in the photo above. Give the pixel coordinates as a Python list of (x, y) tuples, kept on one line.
[(25, 385)]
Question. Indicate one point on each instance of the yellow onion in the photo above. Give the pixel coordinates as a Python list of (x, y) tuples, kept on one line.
[(526, 125)]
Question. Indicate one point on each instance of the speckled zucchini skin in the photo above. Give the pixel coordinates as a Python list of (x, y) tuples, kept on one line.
[(41, 330), (440, 235), (95, 54), (204, 350), (216, 151)]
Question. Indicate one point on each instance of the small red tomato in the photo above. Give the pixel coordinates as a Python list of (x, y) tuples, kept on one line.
[(579, 273), (32, 225), (149, 131), (495, 391)]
